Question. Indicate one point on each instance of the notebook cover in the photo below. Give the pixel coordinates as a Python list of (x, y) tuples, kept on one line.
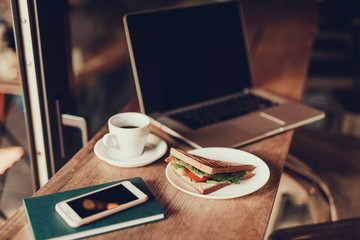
[(46, 223)]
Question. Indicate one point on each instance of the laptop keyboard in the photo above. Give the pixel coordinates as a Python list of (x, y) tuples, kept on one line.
[(220, 111)]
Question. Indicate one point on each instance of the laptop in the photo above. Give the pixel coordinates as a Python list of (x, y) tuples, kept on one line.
[(190, 63)]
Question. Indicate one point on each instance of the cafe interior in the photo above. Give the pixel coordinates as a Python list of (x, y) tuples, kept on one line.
[(52, 116)]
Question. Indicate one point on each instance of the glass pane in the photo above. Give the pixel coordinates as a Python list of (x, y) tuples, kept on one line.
[(103, 81), (15, 171)]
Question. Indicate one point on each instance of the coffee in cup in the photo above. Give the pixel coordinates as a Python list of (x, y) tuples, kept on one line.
[(128, 133)]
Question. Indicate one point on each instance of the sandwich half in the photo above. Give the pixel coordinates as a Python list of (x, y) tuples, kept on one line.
[(207, 175)]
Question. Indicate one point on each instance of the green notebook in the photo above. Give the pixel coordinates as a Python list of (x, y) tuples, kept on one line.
[(45, 222)]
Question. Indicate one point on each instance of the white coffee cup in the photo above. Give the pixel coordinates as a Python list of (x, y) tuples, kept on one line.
[(128, 133)]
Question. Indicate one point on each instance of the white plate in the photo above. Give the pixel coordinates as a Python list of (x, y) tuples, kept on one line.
[(155, 148), (262, 173)]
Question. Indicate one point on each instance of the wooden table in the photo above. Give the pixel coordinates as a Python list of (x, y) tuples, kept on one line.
[(280, 48)]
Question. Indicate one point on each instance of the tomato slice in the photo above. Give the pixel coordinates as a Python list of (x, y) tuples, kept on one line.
[(170, 159), (195, 176)]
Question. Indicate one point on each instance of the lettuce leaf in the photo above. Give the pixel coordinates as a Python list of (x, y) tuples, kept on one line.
[(215, 178)]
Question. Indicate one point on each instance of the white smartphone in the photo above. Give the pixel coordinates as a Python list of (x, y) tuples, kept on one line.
[(100, 203)]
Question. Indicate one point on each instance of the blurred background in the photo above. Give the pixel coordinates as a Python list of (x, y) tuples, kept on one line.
[(101, 76)]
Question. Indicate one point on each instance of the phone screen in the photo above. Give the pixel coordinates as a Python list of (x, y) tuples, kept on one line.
[(101, 201)]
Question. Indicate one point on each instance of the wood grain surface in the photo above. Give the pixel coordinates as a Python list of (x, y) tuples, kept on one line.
[(280, 38)]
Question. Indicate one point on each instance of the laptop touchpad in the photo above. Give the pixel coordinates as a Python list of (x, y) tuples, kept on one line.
[(257, 124)]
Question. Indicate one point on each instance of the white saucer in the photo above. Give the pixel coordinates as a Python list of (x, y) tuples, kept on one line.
[(154, 149)]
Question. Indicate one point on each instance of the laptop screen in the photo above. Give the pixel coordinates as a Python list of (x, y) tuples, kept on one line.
[(188, 55)]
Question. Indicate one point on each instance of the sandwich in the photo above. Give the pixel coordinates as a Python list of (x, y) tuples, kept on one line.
[(207, 175)]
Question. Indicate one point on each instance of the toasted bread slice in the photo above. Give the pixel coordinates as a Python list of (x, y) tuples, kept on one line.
[(201, 187), (209, 165), (206, 188)]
